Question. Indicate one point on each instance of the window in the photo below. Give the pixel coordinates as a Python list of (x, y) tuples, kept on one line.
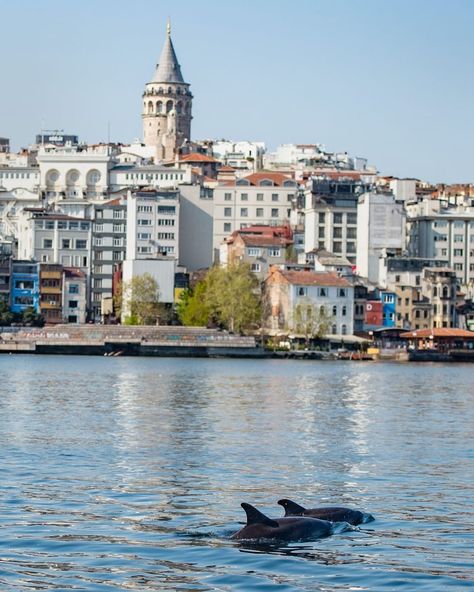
[(275, 197), (342, 292), (323, 292), (255, 267), (321, 217), (72, 303), (228, 196), (118, 214), (259, 196), (99, 227), (81, 243), (227, 211), (117, 255), (337, 247), (143, 236), (351, 232), (344, 329), (397, 279), (458, 266), (253, 252), (321, 231), (118, 242), (334, 311), (458, 252), (274, 252), (166, 222), (351, 247), (165, 236), (66, 243), (226, 226), (301, 291), (142, 222), (337, 232), (458, 238), (244, 197), (259, 212), (49, 225), (73, 225), (274, 213), (148, 209), (337, 218), (167, 210), (47, 243), (334, 329), (351, 218), (244, 212), (344, 311)]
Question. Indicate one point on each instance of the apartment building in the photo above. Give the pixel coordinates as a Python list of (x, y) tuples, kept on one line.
[(443, 232), (260, 198), (331, 214), (109, 232)]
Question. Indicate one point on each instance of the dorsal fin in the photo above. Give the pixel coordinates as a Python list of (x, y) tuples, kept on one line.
[(291, 508), (254, 516)]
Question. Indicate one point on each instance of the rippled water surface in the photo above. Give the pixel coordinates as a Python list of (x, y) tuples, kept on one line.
[(128, 474)]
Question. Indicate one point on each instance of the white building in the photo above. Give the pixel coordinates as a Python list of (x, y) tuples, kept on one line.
[(261, 198), (288, 289), (445, 234), (54, 238), (380, 226), (123, 176), (152, 224), (162, 269), (403, 189), (331, 214), (74, 172), (240, 155)]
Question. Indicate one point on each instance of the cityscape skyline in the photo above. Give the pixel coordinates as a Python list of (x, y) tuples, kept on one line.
[(384, 82)]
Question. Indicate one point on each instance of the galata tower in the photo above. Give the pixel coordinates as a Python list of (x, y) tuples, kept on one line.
[(167, 103)]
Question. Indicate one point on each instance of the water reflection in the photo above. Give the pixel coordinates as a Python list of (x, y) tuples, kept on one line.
[(128, 474)]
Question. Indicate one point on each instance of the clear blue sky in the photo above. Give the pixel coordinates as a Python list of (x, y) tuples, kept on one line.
[(389, 80)]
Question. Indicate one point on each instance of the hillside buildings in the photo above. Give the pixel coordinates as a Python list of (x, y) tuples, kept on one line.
[(320, 229)]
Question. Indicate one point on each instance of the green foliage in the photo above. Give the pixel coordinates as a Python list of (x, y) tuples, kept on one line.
[(141, 297), (192, 309), (6, 316), (228, 296), (309, 321)]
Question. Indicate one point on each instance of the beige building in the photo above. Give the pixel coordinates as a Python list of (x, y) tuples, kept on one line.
[(259, 198), (167, 104)]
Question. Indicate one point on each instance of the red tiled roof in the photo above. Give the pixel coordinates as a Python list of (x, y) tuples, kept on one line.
[(74, 272), (437, 332), (196, 157), (314, 278), (277, 178), (226, 169), (261, 240)]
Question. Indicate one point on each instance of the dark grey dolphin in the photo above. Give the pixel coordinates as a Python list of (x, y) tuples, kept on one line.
[(295, 528), (333, 514)]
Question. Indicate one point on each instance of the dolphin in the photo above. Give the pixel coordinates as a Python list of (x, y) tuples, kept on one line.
[(294, 528), (333, 514)]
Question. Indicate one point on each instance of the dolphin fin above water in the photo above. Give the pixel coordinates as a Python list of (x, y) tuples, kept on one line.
[(291, 508), (333, 514), (254, 516)]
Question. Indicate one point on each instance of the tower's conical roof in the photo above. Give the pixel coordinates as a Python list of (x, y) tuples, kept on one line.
[(168, 69)]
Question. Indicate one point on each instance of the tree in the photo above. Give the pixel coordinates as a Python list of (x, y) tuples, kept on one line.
[(228, 296), (31, 318), (192, 309), (233, 296), (309, 321), (140, 299), (6, 316)]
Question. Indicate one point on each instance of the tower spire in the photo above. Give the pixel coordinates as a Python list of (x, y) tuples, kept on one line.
[(168, 27)]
